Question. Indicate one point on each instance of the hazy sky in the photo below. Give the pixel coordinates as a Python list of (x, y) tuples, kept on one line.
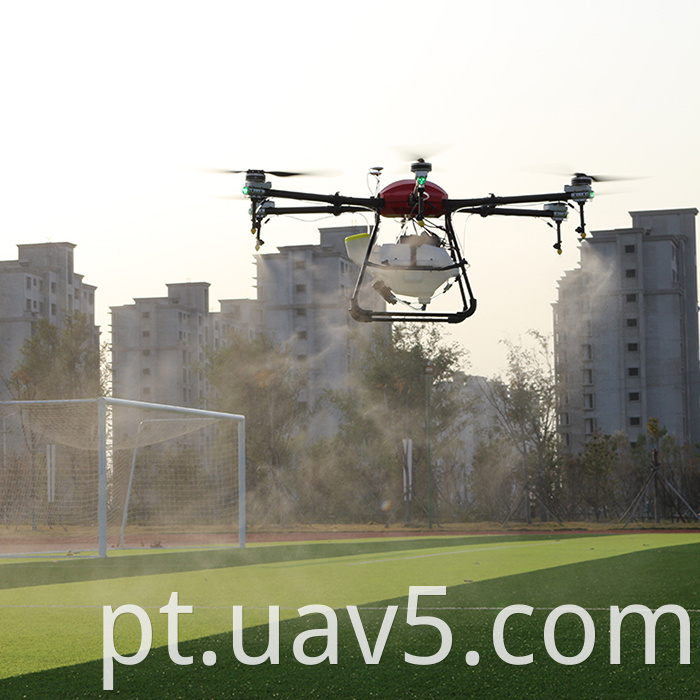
[(111, 111)]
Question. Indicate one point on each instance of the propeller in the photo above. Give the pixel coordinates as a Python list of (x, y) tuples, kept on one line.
[(565, 170), (602, 178), (280, 173), (420, 152)]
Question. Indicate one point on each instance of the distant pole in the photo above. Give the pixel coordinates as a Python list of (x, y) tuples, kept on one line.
[(655, 460), (528, 512), (429, 371), (408, 476)]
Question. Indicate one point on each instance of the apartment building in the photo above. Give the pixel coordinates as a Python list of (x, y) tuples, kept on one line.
[(626, 331), (303, 292), (159, 344), (40, 284)]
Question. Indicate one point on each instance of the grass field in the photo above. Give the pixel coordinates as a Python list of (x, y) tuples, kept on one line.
[(51, 626)]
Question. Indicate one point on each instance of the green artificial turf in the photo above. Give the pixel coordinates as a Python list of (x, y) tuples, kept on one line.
[(483, 575)]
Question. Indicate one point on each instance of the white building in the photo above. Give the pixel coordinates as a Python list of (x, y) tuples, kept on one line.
[(159, 344), (305, 291), (303, 295), (626, 331), (40, 284)]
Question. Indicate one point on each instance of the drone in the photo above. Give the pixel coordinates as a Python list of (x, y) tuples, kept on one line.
[(425, 259)]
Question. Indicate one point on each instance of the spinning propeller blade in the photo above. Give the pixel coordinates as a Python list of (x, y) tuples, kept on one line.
[(425, 152), (604, 178), (282, 173)]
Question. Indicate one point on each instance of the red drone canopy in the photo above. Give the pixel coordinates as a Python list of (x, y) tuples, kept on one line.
[(399, 200)]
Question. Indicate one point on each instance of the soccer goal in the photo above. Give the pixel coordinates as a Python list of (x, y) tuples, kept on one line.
[(100, 474)]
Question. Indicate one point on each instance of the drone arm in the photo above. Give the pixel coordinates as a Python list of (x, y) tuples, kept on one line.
[(493, 201), (331, 210), (337, 200), (492, 211), (262, 205)]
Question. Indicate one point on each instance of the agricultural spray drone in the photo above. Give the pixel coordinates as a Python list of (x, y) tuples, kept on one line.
[(425, 259)]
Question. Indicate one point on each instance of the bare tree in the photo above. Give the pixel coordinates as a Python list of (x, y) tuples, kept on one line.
[(60, 363), (524, 404)]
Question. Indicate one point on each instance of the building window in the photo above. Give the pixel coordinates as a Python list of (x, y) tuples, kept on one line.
[(629, 249), (145, 353), (633, 371), (29, 304), (29, 282), (146, 370), (145, 334), (301, 335), (631, 322), (589, 426), (300, 312), (588, 376), (635, 420), (588, 401), (630, 272), (632, 347), (300, 265), (563, 419), (633, 396), (53, 287), (300, 288), (587, 352), (631, 297), (145, 314), (53, 309)]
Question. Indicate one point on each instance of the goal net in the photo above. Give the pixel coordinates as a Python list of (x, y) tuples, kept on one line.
[(100, 474)]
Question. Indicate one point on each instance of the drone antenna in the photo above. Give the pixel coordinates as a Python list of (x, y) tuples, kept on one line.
[(376, 173)]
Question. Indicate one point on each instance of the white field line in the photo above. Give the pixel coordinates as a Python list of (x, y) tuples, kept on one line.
[(361, 608), (443, 554)]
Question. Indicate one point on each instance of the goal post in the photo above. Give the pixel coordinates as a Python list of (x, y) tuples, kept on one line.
[(162, 474)]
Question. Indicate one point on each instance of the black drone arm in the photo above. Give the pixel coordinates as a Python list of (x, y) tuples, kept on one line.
[(336, 200), (262, 206), (454, 205), (330, 209), (502, 211)]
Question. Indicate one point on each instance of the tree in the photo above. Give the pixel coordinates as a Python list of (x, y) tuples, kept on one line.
[(524, 404), (55, 363), (59, 363), (386, 403), (599, 464), (492, 479), (254, 377)]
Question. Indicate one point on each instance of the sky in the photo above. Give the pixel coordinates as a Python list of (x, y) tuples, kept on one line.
[(113, 114)]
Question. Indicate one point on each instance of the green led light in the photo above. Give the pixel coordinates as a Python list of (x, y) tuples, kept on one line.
[(245, 190), (421, 180), (591, 195)]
